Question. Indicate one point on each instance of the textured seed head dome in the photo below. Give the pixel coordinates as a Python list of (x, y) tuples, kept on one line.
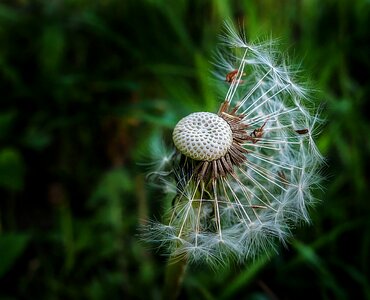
[(203, 136)]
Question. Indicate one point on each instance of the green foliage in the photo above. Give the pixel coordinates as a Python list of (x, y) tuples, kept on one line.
[(86, 86), (12, 246), (11, 169)]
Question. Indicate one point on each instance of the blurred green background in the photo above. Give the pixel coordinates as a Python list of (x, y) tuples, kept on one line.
[(88, 87)]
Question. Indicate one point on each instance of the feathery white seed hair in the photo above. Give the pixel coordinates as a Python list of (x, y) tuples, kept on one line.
[(243, 213)]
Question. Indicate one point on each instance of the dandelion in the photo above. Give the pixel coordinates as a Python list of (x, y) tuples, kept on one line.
[(242, 176)]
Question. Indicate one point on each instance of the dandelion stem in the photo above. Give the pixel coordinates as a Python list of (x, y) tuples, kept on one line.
[(174, 276)]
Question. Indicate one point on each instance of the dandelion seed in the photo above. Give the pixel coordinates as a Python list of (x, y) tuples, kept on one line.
[(243, 175)]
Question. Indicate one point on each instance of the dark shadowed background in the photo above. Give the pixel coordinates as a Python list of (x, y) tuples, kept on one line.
[(89, 88)]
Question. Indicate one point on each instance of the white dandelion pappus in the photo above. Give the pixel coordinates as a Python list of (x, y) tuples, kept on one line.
[(244, 175)]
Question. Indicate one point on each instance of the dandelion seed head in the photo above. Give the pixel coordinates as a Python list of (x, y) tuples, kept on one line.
[(244, 176)]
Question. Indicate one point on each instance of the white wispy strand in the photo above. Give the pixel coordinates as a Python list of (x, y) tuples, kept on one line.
[(244, 214)]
